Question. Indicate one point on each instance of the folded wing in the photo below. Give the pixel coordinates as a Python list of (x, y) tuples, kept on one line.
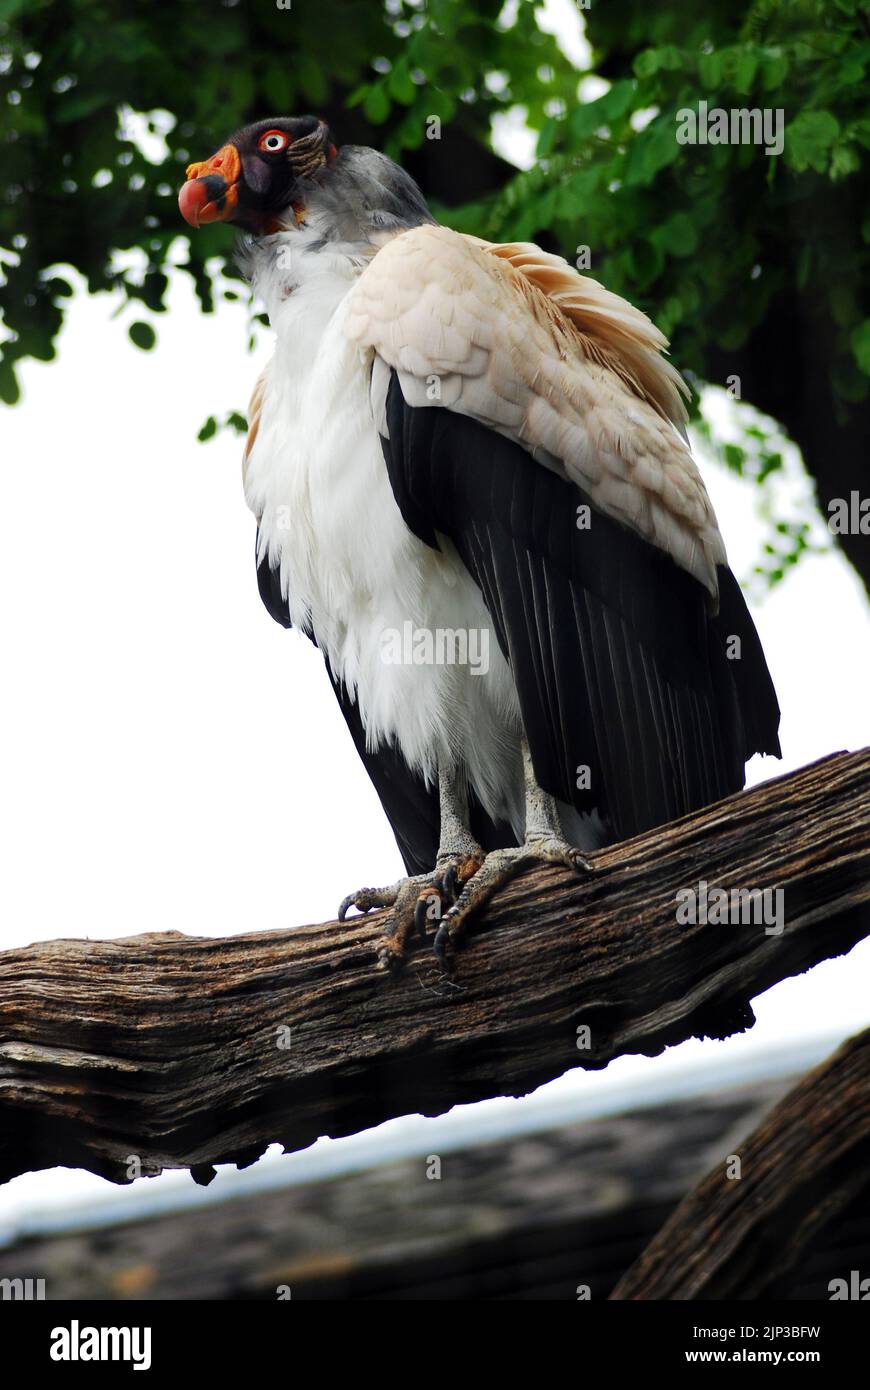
[(575, 377), (551, 459)]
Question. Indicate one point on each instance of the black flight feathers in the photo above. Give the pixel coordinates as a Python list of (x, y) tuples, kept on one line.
[(635, 700), (619, 667)]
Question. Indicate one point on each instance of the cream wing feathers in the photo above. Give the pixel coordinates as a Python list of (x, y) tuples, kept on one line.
[(519, 341)]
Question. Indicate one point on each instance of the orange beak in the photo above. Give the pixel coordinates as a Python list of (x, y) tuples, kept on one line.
[(211, 193)]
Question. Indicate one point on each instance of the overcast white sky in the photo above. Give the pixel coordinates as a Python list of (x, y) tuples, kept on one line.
[(173, 759)]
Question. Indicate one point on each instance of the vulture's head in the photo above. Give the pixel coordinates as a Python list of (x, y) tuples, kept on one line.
[(276, 173), (254, 179)]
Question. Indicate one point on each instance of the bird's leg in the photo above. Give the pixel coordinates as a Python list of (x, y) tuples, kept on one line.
[(425, 897), (543, 843)]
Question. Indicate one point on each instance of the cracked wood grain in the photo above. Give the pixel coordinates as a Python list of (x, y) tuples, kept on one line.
[(740, 1230), (165, 1046)]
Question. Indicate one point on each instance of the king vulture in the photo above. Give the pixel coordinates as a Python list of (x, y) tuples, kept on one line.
[(473, 491)]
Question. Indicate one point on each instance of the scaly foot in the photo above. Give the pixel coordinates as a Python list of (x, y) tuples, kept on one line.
[(415, 902), (497, 869)]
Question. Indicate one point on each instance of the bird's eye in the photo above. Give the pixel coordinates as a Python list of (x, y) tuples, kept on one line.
[(273, 142)]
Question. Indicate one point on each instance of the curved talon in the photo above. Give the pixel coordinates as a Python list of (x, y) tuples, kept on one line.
[(448, 880), (441, 942), (421, 909), (364, 899)]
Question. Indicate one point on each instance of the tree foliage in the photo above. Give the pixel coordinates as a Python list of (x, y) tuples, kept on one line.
[(755, 264), (78, 186)]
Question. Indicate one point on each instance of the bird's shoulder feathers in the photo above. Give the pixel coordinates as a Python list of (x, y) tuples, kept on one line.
[(516, 339)]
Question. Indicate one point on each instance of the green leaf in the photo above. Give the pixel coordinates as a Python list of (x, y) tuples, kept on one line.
[(547, 138), (208, 430), (853, 66), (62, 288), (606, 110), (154, 287), (861, 132), (9, 388), (654, 149), (143, 335), (844, 161), (710, 69), (585, 120), (376, 107), (745, 70), (770, 463), (808, 138), (400, 86), (774, 67), (680, 235), (646, 63), (652, 60), (619, 100), (574, 194), (412, 132)]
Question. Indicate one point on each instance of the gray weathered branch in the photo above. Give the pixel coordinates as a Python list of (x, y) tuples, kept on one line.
[(173, 1048)]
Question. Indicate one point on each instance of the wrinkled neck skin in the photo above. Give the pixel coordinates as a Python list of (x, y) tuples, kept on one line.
[(351, 209)]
